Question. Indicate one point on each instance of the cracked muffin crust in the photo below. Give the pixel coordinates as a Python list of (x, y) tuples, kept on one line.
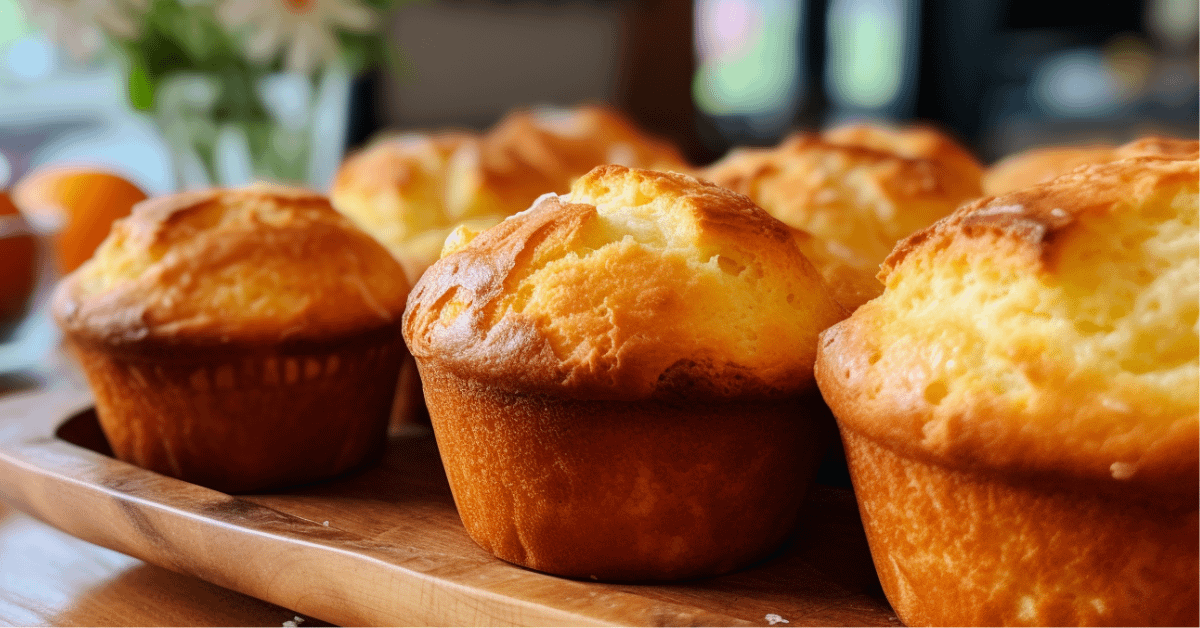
[(1022, 401), (853, 192), (227, 334), (620, 379)]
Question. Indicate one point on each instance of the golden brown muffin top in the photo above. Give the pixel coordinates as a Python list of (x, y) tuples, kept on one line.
[(856, 190), (581, 138), (636, 284), (399, 162), (257, 265), (1037, 165), (402, 185), (409, 191), (412, 190), (1052, 330), (911, 142), (1160, 146), (535, 151)]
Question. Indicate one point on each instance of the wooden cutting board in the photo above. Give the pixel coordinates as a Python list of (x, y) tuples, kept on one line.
[(386, 547)]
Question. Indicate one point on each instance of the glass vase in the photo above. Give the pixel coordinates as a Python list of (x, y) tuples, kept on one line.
[(230, 130)]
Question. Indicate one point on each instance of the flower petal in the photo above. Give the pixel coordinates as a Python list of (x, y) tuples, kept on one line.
[(265, 41), (233, 13), (350, 15), (303, 54)]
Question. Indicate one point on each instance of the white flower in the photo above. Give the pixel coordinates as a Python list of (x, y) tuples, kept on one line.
[(306, 30), (82, 25)]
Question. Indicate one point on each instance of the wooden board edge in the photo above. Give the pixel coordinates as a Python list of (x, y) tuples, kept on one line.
[(280, 558)]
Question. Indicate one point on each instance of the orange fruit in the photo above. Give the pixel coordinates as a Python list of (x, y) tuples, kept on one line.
[(78, 205), (18, 266)]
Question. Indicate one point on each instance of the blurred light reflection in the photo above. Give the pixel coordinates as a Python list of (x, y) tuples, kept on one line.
[(748, 61), (30, 58), (872, 56), (1077, 83)]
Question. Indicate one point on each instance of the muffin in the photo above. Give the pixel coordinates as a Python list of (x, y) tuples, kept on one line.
[(620, 378), (531, 152), (1038, 165), (855, 191), (239, 339), (410, 191), (911, 142), (1019, 408)]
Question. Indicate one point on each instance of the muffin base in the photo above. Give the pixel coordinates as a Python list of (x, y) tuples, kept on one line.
[(962, 548), (624, 490), (246, 419)]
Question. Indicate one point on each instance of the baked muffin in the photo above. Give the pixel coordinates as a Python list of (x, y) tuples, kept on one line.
[(620, 378), (531, 152), (410, 191), (1038, 165), (1019, 407), (911, 142), (239, 339), (856, 191)]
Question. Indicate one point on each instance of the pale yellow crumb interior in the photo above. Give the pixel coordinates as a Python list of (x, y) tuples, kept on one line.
[(1112, 321)]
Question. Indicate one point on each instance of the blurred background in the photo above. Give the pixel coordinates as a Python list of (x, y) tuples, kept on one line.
[(1001, 75), (171, 94)]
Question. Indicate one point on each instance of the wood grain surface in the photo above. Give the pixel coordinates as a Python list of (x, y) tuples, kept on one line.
[(385, 546), (49, 578)]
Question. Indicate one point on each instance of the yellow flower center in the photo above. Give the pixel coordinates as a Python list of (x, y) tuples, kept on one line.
[(299, 6)]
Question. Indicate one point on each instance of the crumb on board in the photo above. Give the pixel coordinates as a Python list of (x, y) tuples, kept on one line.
[(773, 619), (325, 523), (294, 622)]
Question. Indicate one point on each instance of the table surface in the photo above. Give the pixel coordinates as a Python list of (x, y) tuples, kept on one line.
[(49, 578)]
